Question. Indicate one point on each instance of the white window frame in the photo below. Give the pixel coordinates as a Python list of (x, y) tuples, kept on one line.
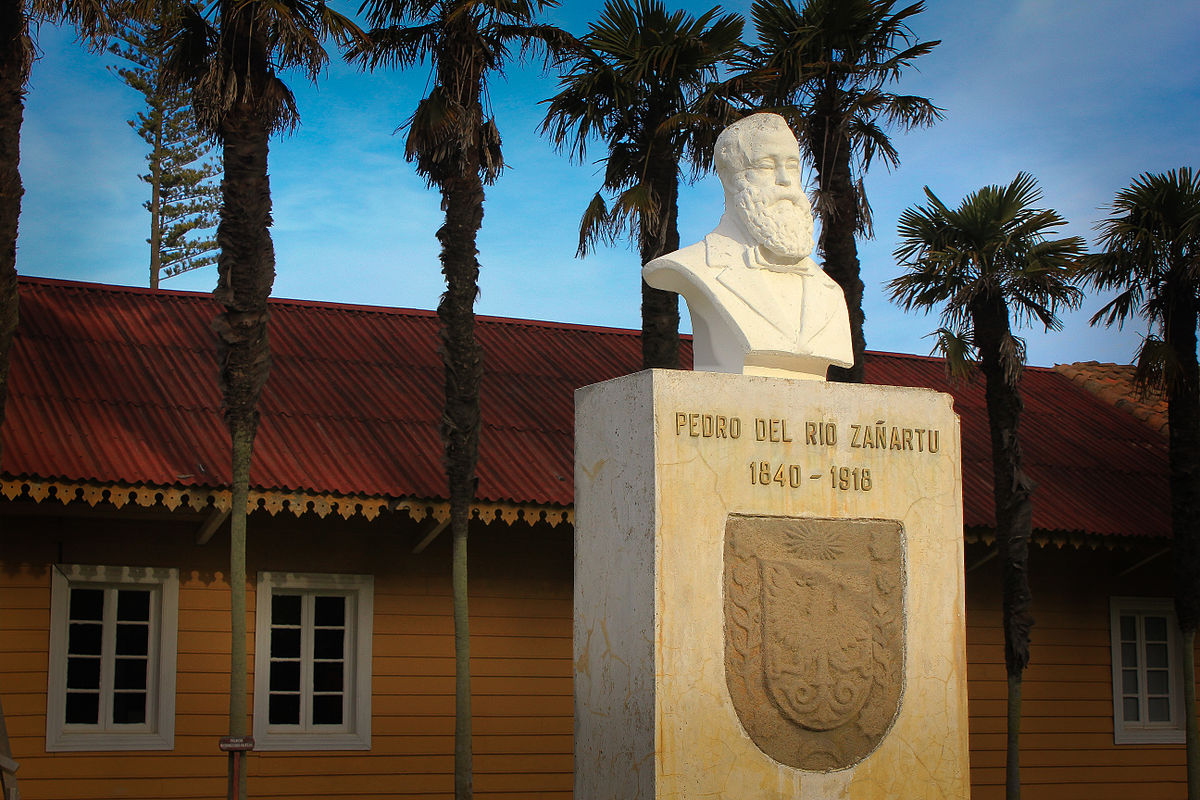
[(1134, 732), (355, 731), (158, 731)]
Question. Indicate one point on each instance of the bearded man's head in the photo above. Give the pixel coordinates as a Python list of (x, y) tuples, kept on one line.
[(758, 161)]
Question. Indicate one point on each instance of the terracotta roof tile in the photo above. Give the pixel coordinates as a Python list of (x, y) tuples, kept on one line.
[(1113, 383)]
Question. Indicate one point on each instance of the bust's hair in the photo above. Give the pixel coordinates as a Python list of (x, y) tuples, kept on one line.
[(733, 145)]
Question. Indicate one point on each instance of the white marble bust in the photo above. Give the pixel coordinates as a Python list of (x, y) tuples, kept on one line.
[(759, 304)]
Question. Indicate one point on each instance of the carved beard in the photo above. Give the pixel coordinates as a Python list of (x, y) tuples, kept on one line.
[(779, 220)]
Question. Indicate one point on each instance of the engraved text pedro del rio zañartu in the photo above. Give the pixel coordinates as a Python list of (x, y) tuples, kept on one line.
[(814, 635)]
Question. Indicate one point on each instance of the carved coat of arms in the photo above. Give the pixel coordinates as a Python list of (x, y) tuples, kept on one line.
[(814, 635)]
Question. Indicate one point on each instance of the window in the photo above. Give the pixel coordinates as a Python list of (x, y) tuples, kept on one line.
[(112, 658), (312, 663), (1147, 669)]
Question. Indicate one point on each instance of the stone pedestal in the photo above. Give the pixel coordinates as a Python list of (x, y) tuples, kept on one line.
[(768, 591)]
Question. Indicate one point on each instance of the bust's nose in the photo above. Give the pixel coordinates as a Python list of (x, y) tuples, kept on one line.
[(783, 175)]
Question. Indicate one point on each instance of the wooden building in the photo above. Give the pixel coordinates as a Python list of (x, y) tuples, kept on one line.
[(114, 602)]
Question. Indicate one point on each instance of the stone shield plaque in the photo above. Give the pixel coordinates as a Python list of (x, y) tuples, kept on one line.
[(814, 635)]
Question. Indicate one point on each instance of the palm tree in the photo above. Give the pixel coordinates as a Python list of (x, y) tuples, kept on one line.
[(642, 85), (227, 54), (824, 66), (984, 262), (18, 21), (1151, 253), (455, 144)]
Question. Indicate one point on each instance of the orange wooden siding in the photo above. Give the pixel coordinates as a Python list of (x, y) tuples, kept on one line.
[(1067, 749), (522, 667), (521, 663)]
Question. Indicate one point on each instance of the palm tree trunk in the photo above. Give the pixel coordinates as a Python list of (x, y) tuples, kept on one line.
[(1012, 491), (1192, 730), (243, 447), (1183, 415), (660, 308), (246, 267), (462, 358), (838, 207), (14, 69), (1012, 759)]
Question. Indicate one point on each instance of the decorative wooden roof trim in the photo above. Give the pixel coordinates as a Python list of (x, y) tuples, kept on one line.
[(209, 499), (1078, 540)]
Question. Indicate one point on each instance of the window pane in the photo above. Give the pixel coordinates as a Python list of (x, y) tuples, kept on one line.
[(1129, 707), (1129, 681), (83, 639), (327, 676), (327, 709), (83, 709), (327, 643), (1156, 655), (130, 673), (1129, 655), (129, 708), (330, 612), (133, 640), (1159, 709), (83, 673), (87, 604), (284, 709), (1128, 628), (285, 609), (133, 605), (1156, 629), (285, 643), (285, 676), (1158, 681)]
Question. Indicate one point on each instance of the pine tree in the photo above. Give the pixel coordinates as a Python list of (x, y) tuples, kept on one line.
[(183, 199)]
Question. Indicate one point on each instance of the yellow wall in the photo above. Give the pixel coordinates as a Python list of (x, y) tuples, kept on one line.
[(521, 638), (1067, 750), (521, 662)]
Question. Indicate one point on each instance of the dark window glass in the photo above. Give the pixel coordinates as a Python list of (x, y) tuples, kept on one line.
[(83, 673), (330, 612), (1129, 654), (284, 709), (1156, 629), (1158, 681), (133, 605), (83, 709), (285, 609), (129, 708), (1156, 655), (327, 643), (285, 676), (327, 709), (87, 604), (285, 643), (1158, 709), (133, 640), (327, 676), (84, 638), (1129, 706), (1128, 628), (130, 673)]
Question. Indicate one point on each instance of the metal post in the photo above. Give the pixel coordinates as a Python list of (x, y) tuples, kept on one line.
[(236, 747)]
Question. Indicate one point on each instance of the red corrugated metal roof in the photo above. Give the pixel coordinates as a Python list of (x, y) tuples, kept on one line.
[(117, 385)]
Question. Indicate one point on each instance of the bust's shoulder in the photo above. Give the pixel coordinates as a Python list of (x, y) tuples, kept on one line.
[(688, 259)]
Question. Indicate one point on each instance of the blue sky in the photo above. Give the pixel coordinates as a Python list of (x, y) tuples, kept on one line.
[(1084, 94)]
